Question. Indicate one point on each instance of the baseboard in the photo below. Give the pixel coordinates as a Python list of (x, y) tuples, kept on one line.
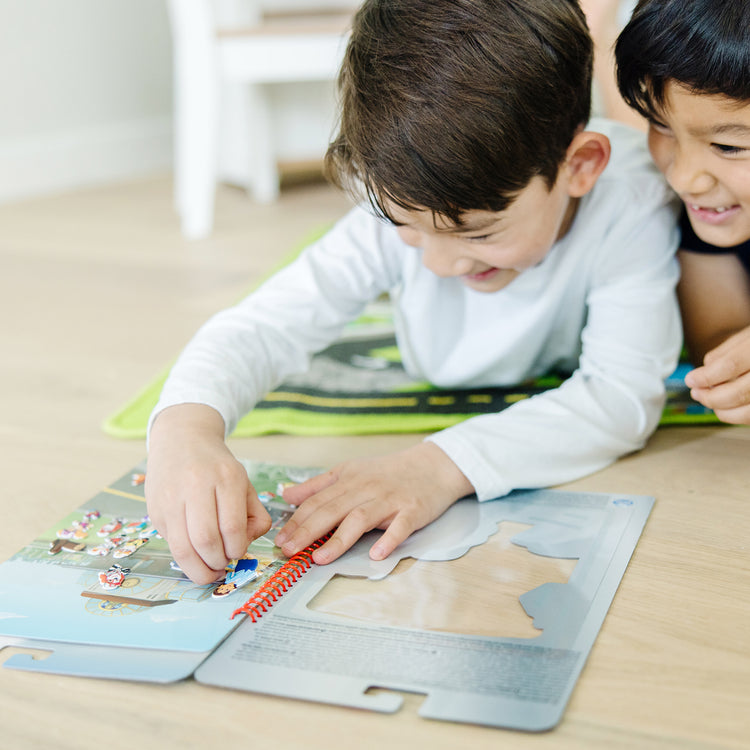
[(57, 162)]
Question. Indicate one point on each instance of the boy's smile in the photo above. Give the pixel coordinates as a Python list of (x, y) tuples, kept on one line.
[(702, 145), (490, 249)]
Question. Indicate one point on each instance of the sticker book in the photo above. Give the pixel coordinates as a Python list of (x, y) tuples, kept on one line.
[(490, 611), (103, 577)]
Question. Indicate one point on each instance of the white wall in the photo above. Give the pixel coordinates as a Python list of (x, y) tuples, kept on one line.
[(85, 93)]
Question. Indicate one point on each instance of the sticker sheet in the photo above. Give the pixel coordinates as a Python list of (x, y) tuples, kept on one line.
[(101, 591)]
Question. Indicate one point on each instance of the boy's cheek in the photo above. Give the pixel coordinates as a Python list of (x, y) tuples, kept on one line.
[(659, 150)]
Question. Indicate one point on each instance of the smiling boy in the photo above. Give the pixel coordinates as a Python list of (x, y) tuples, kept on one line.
[(490, 249), (685, 66), (514, 238)]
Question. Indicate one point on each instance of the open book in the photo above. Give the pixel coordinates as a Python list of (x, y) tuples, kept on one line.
[(100, 594)]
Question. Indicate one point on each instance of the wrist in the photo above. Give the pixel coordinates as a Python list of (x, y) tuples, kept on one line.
[(183, 419), (444, 469)]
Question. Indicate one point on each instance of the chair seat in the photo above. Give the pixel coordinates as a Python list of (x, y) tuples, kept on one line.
[(223, 76), (284, 49)]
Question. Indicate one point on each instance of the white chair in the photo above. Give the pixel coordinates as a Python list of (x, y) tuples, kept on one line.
[(223, 75)]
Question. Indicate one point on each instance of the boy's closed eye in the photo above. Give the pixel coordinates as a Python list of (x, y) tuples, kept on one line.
[(725, 148)]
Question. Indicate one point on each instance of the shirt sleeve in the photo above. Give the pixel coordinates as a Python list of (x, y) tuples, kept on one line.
[(613, 401), (243, 352)]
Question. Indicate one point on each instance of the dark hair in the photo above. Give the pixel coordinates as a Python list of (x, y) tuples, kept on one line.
[(455, 105), (703, 45)]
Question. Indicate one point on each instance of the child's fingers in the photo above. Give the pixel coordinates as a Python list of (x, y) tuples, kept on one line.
[(258, 521), (323, 507), (398, 531), (320, 514), (189, 561), (697, 378), (739, 415), (339, 543), (234, 499), (717, 372), (732, 395), (232, 524), (157, 519), (361, 519), (712, 374), (399, 520), (297, 494), (203, 531), (411, 516), (726, 362)]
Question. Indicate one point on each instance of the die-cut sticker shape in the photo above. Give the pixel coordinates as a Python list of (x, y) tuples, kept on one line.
[(65, 544), (244, 571), (135, 527), (101, 549), (129, 548), (111, 527), (113, 577), (81, 529)]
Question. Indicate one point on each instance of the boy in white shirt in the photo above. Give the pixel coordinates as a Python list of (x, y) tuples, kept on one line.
[(510, 243)]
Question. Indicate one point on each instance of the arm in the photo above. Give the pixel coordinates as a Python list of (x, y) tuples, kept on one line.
[(607, 408), (198, 495), (244, 352), (714, 294)]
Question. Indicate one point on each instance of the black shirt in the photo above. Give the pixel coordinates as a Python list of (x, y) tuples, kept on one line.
[(691, 241)]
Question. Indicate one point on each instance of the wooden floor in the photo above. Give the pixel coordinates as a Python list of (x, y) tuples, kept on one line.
[(99, 292)]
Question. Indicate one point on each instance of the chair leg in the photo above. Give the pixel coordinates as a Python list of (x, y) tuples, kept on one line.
[(263, 184), (196, 115)]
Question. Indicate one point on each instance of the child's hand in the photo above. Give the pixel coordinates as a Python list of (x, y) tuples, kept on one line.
[(722, 383), (401, 493), (198, 495)]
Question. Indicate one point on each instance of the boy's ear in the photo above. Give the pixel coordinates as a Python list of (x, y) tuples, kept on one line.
[(585, 160)]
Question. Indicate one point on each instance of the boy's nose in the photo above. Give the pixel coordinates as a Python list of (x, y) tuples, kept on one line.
[(442, 260), (688, 175)]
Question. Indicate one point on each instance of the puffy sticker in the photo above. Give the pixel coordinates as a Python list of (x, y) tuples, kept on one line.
[(113, 577)]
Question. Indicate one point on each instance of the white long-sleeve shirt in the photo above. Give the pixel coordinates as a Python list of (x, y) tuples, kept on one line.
[(600, 305)]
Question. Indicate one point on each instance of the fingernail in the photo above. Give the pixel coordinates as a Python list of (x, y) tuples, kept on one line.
[(377, 552), (322, 556)]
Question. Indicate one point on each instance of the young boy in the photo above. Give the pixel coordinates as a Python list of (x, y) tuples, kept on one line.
[(508, 250), (685, 66)]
